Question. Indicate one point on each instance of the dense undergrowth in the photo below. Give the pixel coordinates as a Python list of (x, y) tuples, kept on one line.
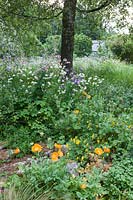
[(93, 109)]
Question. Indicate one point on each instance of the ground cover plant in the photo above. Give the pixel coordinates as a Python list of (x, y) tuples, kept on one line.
[(85, 120)]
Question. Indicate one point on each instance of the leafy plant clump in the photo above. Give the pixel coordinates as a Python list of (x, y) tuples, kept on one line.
[(90, 113), (118, 180), (121, 46)]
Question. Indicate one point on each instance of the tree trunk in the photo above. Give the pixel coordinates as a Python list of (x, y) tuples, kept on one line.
[(67, 45)]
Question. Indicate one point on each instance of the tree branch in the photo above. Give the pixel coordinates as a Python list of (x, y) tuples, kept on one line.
[(35, 17), (103, 5), (22, 15)]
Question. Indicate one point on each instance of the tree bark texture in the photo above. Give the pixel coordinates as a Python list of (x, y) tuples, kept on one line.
[(67, 44)]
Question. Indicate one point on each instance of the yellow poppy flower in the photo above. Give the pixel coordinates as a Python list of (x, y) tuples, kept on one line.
[(54, 156), (84, 93), (98, 151), (74, 140), (57, 146), (82, 158), (83, 186), (36, 148), (76, 112), (77, 141), (98, 141), (89, 96), (60, 153)]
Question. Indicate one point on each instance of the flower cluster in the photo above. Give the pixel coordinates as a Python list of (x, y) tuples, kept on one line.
[(100, 151), (75, 140), (57, 153)]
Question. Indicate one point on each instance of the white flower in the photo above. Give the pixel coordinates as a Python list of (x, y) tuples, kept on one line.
[(41, 134)]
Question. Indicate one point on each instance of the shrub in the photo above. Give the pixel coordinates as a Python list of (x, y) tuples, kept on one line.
[(27, 44), (118, 180), (9, 47), (83, 45), (122, 47), (53, 44), (54, 176), (31, 46)]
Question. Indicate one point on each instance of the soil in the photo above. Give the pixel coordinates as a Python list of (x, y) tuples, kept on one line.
[(9, 164)]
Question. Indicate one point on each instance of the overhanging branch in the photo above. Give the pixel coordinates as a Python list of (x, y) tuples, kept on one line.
[(35, 17), (103, 5), (22, 15)]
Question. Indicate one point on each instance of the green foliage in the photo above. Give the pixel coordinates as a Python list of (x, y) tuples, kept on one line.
[(90, 25), (24, 193), (53, 44), (24, 44), (83, 45), (30, 44), (55, 177), (36, 101), (113, 71), (121, 46), (118, 180), (9, 46)]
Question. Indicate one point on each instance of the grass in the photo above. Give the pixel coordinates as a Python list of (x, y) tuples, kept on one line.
[(113, 71), (24, 193)]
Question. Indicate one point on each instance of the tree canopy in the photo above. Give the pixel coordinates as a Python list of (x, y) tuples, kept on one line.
[(20, 15)]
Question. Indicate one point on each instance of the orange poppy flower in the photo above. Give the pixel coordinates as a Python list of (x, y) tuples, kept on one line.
[(98, 151), (106, 150), (54, 156), (16, 151), (83, 186), (36, 148), (57, 146), (60, 153)]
